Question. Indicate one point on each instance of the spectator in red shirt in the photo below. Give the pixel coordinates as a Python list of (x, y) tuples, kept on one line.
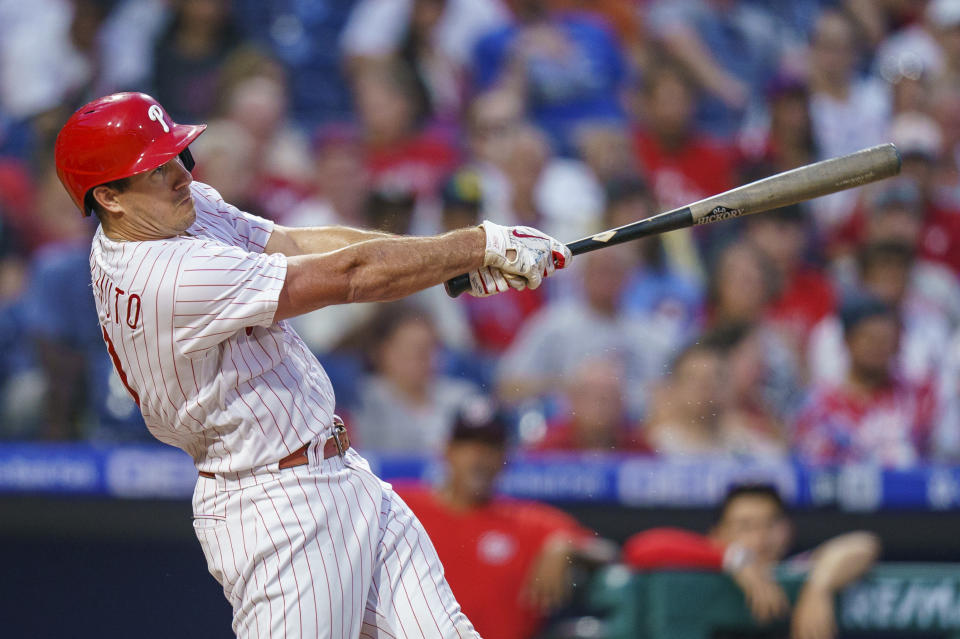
[(873, 415), (920, 141), (399, 150), (805, 295), (595, 418), (683, 164), (750, 536), (507, 561)]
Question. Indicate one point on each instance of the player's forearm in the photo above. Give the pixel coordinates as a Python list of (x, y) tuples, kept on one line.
[(397, 267), (842, 560), (318, 239), (378, 270)]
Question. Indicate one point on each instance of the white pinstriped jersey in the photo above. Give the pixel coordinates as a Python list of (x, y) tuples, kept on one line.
[(189, 325)]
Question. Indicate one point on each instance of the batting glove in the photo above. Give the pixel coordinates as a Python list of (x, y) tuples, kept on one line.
[(523, 252), (489, 281)]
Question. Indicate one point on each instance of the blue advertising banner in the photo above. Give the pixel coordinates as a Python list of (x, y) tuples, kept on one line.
[(149, 471)]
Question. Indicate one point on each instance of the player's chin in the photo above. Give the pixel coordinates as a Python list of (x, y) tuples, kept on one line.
[(190, 211)]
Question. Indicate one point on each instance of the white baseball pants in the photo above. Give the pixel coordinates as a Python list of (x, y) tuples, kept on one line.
[(326, 550)]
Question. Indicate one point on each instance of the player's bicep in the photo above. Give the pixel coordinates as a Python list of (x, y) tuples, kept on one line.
[(221, 290)]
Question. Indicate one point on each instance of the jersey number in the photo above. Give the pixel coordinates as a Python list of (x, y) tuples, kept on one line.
[(116, 364)]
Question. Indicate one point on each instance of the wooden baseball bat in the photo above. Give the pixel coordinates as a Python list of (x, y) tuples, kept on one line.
[(782, 189)]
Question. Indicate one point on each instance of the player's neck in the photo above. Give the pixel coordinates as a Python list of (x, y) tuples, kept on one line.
[(120, 232)]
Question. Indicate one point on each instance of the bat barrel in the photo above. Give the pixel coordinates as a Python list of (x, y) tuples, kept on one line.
[(783, 189), (800, 184)]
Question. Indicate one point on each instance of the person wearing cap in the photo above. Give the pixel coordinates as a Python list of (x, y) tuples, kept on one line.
[(192, 297), (508, 561), (873, 414)]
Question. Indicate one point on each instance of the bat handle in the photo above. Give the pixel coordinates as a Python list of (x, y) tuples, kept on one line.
[(457, 285)]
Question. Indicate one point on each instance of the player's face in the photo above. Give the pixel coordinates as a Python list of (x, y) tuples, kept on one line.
[(757, 523), (157, 204)]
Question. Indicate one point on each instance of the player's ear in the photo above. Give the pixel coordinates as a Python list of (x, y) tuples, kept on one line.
[(106, 197)]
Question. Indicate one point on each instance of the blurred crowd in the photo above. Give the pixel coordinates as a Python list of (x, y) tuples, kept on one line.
[(828, 331)]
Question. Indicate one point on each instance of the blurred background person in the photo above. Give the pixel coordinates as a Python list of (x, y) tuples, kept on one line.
[(728, 48), (886, 272), (562, 335), (434, 37), (399, 146), (873, 415), (228, 161), (848, 112), (593, 417), (198, 38), (743, 284), (340, 180), (21, 384), (568, 65), (682, 163), (523, 548), (302, 38), (920, 141), (753, 421), (751, 534), (657, 291), (406, 405), (805, 295), (785, 139), (82, 396), (253, 95), (684, 415)]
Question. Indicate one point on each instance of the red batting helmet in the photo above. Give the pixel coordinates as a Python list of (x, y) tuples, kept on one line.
[(115, 137)]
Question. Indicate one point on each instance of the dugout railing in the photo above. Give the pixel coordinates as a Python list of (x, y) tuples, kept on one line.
[(895, 600)]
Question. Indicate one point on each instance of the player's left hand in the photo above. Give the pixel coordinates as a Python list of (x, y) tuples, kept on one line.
[(814, 615), (549, 582)]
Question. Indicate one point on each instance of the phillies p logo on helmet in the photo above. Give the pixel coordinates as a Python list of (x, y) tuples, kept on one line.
[(155, 113)]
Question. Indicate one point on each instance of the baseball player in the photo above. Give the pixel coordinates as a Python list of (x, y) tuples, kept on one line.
[(192, 295)]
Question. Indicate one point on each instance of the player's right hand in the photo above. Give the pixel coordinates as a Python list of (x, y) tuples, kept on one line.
[(488, 281), (523, 252)]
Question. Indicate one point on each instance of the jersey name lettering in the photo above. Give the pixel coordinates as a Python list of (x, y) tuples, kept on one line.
[(120, 306)]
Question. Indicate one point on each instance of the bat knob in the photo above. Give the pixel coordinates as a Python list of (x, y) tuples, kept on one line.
[(457, 285)]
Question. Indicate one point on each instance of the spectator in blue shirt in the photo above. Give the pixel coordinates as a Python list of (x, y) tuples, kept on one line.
[(569, 66)]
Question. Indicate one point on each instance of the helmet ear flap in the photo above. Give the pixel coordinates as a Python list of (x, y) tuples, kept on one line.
[(187, 158)]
